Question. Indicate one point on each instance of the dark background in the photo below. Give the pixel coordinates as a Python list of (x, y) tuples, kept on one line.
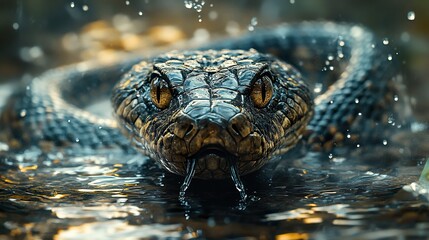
[(32, 32)]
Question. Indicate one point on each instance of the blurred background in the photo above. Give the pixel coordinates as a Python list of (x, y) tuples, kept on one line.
[(37, 35)]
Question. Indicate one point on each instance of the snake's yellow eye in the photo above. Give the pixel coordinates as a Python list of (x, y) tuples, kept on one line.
[(262, 91), (160, 93)]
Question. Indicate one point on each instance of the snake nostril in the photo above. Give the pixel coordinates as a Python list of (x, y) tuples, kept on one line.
[(184, 126), (240, 125), (190, 127), (235, 128)]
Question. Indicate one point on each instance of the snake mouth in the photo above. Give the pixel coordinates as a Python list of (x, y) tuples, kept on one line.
[(213, 151), (214, 158)]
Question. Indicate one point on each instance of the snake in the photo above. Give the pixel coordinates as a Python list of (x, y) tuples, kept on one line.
[(223, 109)]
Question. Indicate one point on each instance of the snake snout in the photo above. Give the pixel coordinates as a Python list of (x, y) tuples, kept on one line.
[(185, 126)]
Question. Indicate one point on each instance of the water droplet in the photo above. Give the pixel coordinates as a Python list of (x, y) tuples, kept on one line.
[(127, 2), (340, 55), (373, 45), (72, 4), (348, 136), (330, 156), (358, 145), (213, 15), (198, 7), (318, 87), (411, 15), (341, 43), (292, 1), (140, 13), (23, 113), (188, 4), (211, 5), (384, 142), (356, 100), (85, 8), (395, 98), (15, 26), (331, 102), (77, 140), (330, 57), (405, 37), (331, 68), (389, 57), (360, 114), (385, 41), (253, 23)]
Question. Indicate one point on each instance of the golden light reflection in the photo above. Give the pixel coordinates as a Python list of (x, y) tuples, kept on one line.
[(292, 236), (27, 168), (313, 220), (117, 229), (58, 196)]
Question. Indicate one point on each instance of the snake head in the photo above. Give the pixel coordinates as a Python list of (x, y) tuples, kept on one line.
[(215, 108)]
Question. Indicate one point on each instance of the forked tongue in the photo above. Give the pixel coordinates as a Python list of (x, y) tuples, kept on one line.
[(190, 171), (237, 181)]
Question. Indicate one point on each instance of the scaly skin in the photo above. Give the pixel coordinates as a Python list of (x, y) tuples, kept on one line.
[(211, 118)]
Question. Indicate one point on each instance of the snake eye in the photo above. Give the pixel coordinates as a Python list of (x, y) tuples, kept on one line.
[(160, 93), (262, 91)]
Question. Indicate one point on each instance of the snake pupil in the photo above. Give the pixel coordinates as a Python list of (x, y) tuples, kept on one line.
[(262, 91), (160, 93)]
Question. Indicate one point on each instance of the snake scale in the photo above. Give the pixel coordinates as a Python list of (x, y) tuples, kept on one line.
[(224, 109)]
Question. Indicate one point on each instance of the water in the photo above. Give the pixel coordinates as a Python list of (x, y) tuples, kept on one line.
[(65, 195), (373, 192)]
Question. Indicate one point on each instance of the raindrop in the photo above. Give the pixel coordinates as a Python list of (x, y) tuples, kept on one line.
[(23, 113), (341, 43), (211, 5), (198, 8), (331, 68), (356, 100), (253, 23), (77, 140), (348, 136), (213, 15), (358, 145), (85, 8), (140, 13), (72, 4), (360, 114), (188, 4), (331, 102), (405, 37), (373, 45), (330, 156), (15, 26), (389, 57), (384, 142), (127, 2), (340, 55), (385, 41), (330, 57), (411, 15), (395, 98), (318, 87)]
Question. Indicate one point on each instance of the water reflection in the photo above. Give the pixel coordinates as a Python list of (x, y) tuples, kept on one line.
[(65, 195)]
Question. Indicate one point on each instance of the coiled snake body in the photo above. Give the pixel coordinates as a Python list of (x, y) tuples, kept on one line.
[(224, 109)]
